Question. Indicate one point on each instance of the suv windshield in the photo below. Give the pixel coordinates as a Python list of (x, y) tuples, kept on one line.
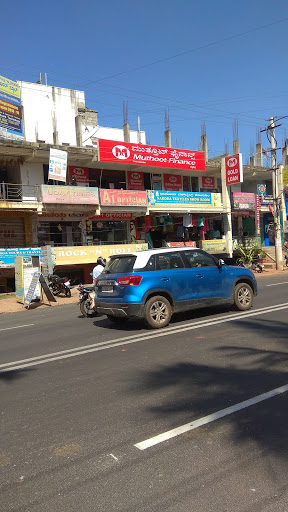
[(119, 265)]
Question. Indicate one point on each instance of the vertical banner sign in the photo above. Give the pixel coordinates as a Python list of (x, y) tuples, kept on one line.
[(285, 176), (234, 169), (80, 174), (135, 180), (172, 182), (57, 165), (11, 125), (261, 189), (257, 216)]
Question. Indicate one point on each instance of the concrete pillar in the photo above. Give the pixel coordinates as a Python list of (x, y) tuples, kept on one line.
[(78, 127), (167, 138), (259, 160), (227, 219), (236, 147), (126, 131), (285, 156), (204, 146), (252, 161)]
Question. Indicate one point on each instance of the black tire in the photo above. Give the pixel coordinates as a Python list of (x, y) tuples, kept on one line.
[(158, 312), (85, 308), (117, 319), (243, 296)]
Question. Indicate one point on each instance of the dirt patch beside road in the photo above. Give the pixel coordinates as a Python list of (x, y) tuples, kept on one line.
[(9, 304)]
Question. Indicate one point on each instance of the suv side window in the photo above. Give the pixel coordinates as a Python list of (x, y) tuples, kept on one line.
[(150, 265), (169, 261), (199, 259)]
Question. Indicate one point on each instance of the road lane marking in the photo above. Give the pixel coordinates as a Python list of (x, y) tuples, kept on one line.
[(17, 327), (165, 436), (104, 345), (277, 284)]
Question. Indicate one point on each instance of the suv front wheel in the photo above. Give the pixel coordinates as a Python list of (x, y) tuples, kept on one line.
[(243, 296), (158, 312)]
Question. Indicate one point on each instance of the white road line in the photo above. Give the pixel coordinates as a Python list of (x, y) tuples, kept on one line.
[(165, 436), (277, 284), (104, 345), (17, 327)]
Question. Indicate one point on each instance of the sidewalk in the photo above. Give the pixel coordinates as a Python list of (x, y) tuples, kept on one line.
[(9, 304)]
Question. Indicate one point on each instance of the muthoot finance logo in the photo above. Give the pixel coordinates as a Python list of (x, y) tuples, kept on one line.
[(172, 179), (121, 152), (232, 162), (135, 176)]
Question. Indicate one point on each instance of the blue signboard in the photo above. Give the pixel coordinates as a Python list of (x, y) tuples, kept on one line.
[(162, 197), (7, 255), (11, 124)]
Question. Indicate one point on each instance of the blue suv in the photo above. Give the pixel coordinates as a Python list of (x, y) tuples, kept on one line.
[(156, 283)]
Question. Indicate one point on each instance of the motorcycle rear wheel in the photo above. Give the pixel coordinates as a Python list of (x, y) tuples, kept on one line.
[(85, 309)]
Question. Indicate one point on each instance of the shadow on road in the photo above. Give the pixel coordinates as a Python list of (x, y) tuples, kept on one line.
[(12, 375), (192, 390)]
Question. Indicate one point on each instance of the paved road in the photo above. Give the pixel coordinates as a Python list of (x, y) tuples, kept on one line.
[(191, 418)]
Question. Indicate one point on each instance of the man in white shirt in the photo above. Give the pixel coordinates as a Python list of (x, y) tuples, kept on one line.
[(101, 262)]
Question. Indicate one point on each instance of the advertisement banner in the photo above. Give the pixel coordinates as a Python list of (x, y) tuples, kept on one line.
[(172, 182), (80, 174), (57, 165), (266, 199), (181, 244), (208, 182), (113, 197), (154, 156), (285, 176), (234, 169), (162, 198), (243, 200), (7, 256), (135, 180), (89, 254), (69, 195), (11, 125), (214, 246), (257, 216)]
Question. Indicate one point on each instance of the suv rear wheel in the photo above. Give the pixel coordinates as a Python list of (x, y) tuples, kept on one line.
[(158, 312), (243, 296)]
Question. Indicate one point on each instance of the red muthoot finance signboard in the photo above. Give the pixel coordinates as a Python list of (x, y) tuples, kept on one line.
[(234, 169), (154, 156)]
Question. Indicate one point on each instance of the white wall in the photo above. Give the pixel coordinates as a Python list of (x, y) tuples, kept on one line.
[(32, 173), (102, 132), (48, 109)]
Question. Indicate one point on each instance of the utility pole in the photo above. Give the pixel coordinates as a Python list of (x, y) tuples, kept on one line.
[(275, 184)]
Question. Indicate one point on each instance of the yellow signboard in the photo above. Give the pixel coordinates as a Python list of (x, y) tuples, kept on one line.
[(9, 87), (285, 176), (214, 246), (89, 254)]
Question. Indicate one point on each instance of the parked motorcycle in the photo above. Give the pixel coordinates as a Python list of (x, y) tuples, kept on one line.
[(59, 285), (86, 300), (255, 266)]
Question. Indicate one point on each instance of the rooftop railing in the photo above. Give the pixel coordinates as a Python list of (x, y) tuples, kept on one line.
[(20, 193)]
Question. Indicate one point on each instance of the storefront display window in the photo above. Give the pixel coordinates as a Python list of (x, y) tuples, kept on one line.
[(59, 233), (109, 232)]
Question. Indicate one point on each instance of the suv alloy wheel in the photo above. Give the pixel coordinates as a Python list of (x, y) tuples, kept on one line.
[(158, 312)]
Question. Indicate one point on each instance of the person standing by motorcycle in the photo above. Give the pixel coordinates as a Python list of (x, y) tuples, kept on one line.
[(101, 262)]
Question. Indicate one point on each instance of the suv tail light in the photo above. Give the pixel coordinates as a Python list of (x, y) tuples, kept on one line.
[(129, 280)]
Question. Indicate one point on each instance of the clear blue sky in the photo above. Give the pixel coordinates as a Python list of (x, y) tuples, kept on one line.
[(149, 54)]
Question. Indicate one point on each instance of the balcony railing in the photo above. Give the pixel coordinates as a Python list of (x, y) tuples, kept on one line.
[(20, 193)]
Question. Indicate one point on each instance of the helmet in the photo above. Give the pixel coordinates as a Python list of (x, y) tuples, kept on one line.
[(101, 261)]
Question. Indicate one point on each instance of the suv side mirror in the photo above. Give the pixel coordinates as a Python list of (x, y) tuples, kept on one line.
[(221, 263)]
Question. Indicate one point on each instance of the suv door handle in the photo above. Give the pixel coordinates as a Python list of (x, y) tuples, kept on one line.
[(165, 279), (199, 275)]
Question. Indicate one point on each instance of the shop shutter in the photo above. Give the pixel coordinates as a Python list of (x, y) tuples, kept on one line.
[(12, 232)]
